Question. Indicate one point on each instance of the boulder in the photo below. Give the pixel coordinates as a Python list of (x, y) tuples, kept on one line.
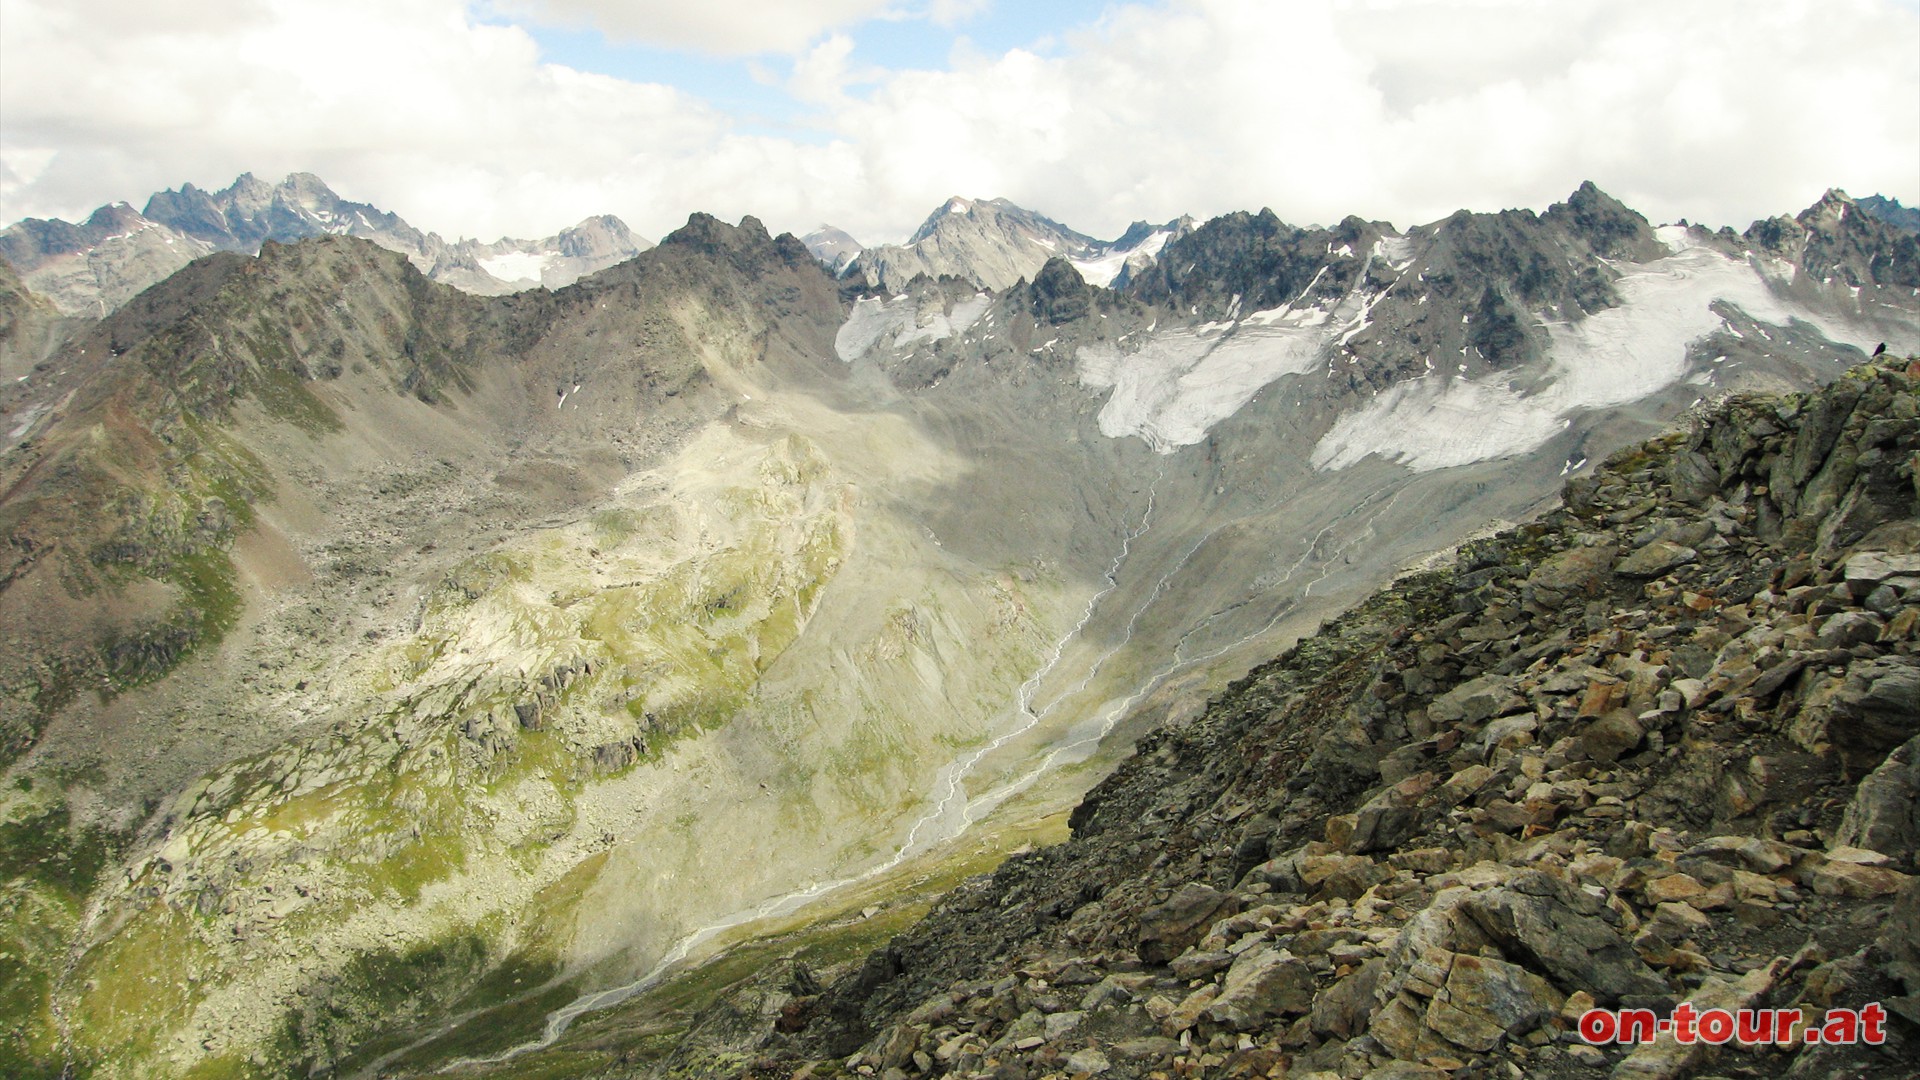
[(1655, 559), (1837, 878), (1884, 814), (1483, 1001), (1263, 983), (1578, 572), (1389, 817), (1877, 710), (1554, 928), (1340, 1011), (1612, 735), (1167, 929), (1477, 700), (1867, 569)]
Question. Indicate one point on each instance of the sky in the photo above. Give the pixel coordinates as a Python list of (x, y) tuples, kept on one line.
[(519, 117)]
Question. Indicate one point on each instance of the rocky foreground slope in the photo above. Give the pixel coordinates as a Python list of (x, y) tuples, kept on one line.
[(1659, 745)]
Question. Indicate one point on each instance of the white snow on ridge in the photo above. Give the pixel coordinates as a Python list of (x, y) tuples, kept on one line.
[(932, 325), (871, 320), (1395, 251), (1103, 270), (519, 265), (903, 322), (1180, 384), (1622, 354)]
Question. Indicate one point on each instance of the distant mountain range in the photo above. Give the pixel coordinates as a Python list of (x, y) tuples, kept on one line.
[(992, 243), (95, 266)]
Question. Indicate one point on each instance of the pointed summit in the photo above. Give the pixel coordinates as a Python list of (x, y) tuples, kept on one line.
[(1607, 225)]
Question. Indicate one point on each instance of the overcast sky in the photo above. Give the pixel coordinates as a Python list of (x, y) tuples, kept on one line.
[(522, 116)]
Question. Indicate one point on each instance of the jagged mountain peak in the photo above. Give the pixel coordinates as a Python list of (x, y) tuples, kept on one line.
[(1838, 240), (1906, 218), (834, 247), (68, 262), (748, 245), (959, 212), (1608, 225), (993, 243)]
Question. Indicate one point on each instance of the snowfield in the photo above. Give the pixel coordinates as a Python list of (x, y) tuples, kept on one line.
[(1184, 381), (1174, 384), (519, 265), (904, 322)]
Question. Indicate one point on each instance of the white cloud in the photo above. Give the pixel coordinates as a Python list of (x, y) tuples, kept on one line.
[(1717, 110), (951, 13), (822, 74), (735, 28)]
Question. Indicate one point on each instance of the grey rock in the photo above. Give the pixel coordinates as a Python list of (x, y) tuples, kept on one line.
[(1263, 983), (1088, 1060), (1484, 1001), (1612, 735), (1884, 813), (1553, 928), (1848, 628), (1866, 569), (1167, 929), (1656, 559), (1341, 1010), (1477, 700)]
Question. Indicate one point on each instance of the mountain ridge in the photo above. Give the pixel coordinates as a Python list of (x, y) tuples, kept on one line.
[(93, 267)]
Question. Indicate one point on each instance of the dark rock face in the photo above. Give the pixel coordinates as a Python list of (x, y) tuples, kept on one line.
[(1607, 226), (1058, 293), (1837, 240), (1405, 840), (1904, 218), (252, 211), (1474, 286)]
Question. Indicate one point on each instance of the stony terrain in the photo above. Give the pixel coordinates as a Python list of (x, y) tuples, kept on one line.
[(1657, 745)]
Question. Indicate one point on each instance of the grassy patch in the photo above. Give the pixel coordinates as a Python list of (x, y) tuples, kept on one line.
[(287, 398), (137, 989), (209, 607), (383, 992), (47, 851)]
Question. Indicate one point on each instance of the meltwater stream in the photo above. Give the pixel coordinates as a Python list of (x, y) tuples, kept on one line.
[(948, 818)]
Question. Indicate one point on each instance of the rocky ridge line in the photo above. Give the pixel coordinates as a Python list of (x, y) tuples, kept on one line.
[(1658, 745)]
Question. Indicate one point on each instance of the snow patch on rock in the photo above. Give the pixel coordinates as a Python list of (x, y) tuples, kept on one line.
[(1612, 357), (904, 322), (1182, 382), (519, 265)]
